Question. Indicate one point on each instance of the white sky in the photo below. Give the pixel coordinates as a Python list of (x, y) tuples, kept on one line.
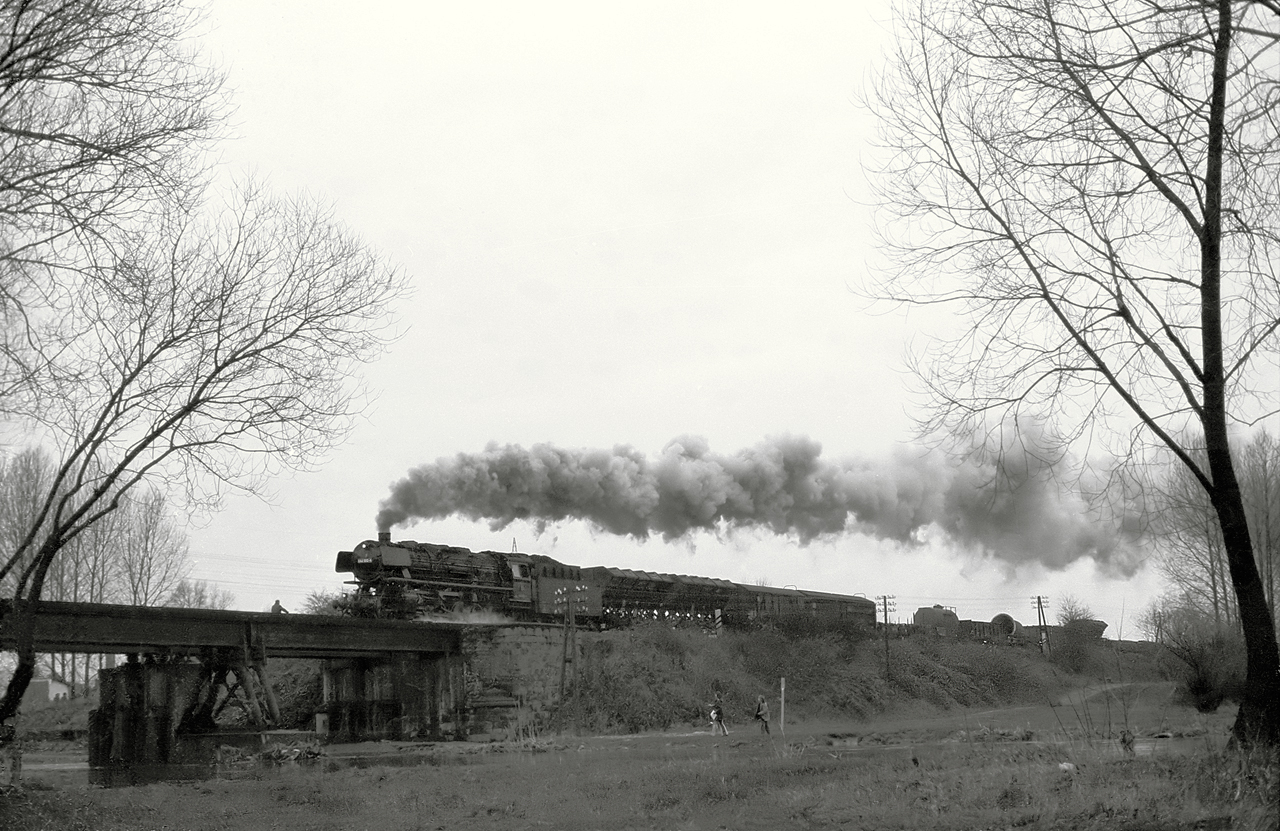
[(625, 222)]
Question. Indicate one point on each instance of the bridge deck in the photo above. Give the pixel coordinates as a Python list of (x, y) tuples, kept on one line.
[(105, 628)]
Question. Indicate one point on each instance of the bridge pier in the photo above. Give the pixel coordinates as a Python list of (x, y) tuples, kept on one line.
[(401, 697), (157, 716), (502, 684), (136, 734)]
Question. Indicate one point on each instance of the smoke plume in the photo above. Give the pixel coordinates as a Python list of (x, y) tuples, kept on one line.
[(1012, 509)]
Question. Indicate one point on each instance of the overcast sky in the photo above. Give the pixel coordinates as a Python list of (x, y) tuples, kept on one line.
[(624, 223)]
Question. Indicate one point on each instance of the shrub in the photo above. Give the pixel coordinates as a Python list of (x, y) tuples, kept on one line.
[(1212, 664), (1072, 650)]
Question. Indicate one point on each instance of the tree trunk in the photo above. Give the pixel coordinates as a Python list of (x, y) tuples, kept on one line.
[(22, 614), (1257, 720), (24, 610)]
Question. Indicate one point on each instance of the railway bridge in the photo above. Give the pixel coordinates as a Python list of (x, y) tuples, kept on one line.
[(109, 628), (380, 678)]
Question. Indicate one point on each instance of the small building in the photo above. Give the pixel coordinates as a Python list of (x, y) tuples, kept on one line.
[(41, 691), (45, 690)]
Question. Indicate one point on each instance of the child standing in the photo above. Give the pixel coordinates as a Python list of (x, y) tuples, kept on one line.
[(717, 719)]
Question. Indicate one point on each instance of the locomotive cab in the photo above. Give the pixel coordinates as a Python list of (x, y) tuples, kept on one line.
[(521, 579)]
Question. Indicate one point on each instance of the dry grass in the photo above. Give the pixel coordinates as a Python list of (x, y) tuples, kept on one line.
[(954, 741), (692, 781)]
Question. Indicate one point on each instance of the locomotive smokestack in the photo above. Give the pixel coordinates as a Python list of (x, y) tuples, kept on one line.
[(384, 536)]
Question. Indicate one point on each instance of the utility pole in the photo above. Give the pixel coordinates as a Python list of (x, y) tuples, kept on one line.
[(782, 708), (1040, 602), (886, 600), (570, 599)]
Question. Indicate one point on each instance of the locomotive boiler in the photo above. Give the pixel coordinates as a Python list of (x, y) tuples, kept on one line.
[(408, 579)]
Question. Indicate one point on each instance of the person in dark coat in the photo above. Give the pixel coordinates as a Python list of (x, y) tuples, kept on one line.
[(762, 713)]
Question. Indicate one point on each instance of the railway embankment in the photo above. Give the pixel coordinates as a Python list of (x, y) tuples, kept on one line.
[(655, 677)]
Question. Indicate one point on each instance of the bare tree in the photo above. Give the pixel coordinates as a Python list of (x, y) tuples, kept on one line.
[(1096, 184), (23, 477), (136, 554), (1153, 620), (204, 353), (150, 333), (1073, 645), (1189, 548), (1072, 608), (100, 106), (1190, 552), (98, 102), (322, 602), (85, 573), (199, 594), (1261, 485), (153, 558)]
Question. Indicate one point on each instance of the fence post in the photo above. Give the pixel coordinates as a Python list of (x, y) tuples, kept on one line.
[(782, 707)]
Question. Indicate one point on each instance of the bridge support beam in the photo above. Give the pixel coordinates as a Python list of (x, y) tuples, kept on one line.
[(136, 733), (157, 717), (395, 697)]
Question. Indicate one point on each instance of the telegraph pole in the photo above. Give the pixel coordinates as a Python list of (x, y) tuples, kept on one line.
[(886, 600), (570, 598), (1040, 602)]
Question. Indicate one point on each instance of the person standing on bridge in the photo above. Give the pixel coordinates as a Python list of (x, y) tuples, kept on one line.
[(277, 609)]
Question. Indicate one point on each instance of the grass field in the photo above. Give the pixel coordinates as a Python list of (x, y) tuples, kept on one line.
[(1055, 765)]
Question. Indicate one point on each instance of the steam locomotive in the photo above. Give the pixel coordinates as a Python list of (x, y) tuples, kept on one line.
[(408, 580)]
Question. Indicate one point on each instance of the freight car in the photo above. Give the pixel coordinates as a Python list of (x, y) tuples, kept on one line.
[(408, 579)]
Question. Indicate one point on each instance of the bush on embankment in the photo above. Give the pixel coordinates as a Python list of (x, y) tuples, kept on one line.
[(656, 677)]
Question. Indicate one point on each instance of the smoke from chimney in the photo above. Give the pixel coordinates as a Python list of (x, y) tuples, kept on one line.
[(1012, 510)]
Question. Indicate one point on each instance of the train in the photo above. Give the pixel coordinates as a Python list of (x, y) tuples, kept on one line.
[(943, 622), (408, 579)]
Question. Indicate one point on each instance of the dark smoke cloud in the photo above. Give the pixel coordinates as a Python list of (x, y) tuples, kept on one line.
[(1012, 510)]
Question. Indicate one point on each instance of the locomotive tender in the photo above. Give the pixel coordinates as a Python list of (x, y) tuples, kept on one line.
[(408, 579)]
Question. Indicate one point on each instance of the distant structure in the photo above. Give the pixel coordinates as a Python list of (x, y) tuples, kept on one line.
[(938, 620), (1086, 628), (40, 691)]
